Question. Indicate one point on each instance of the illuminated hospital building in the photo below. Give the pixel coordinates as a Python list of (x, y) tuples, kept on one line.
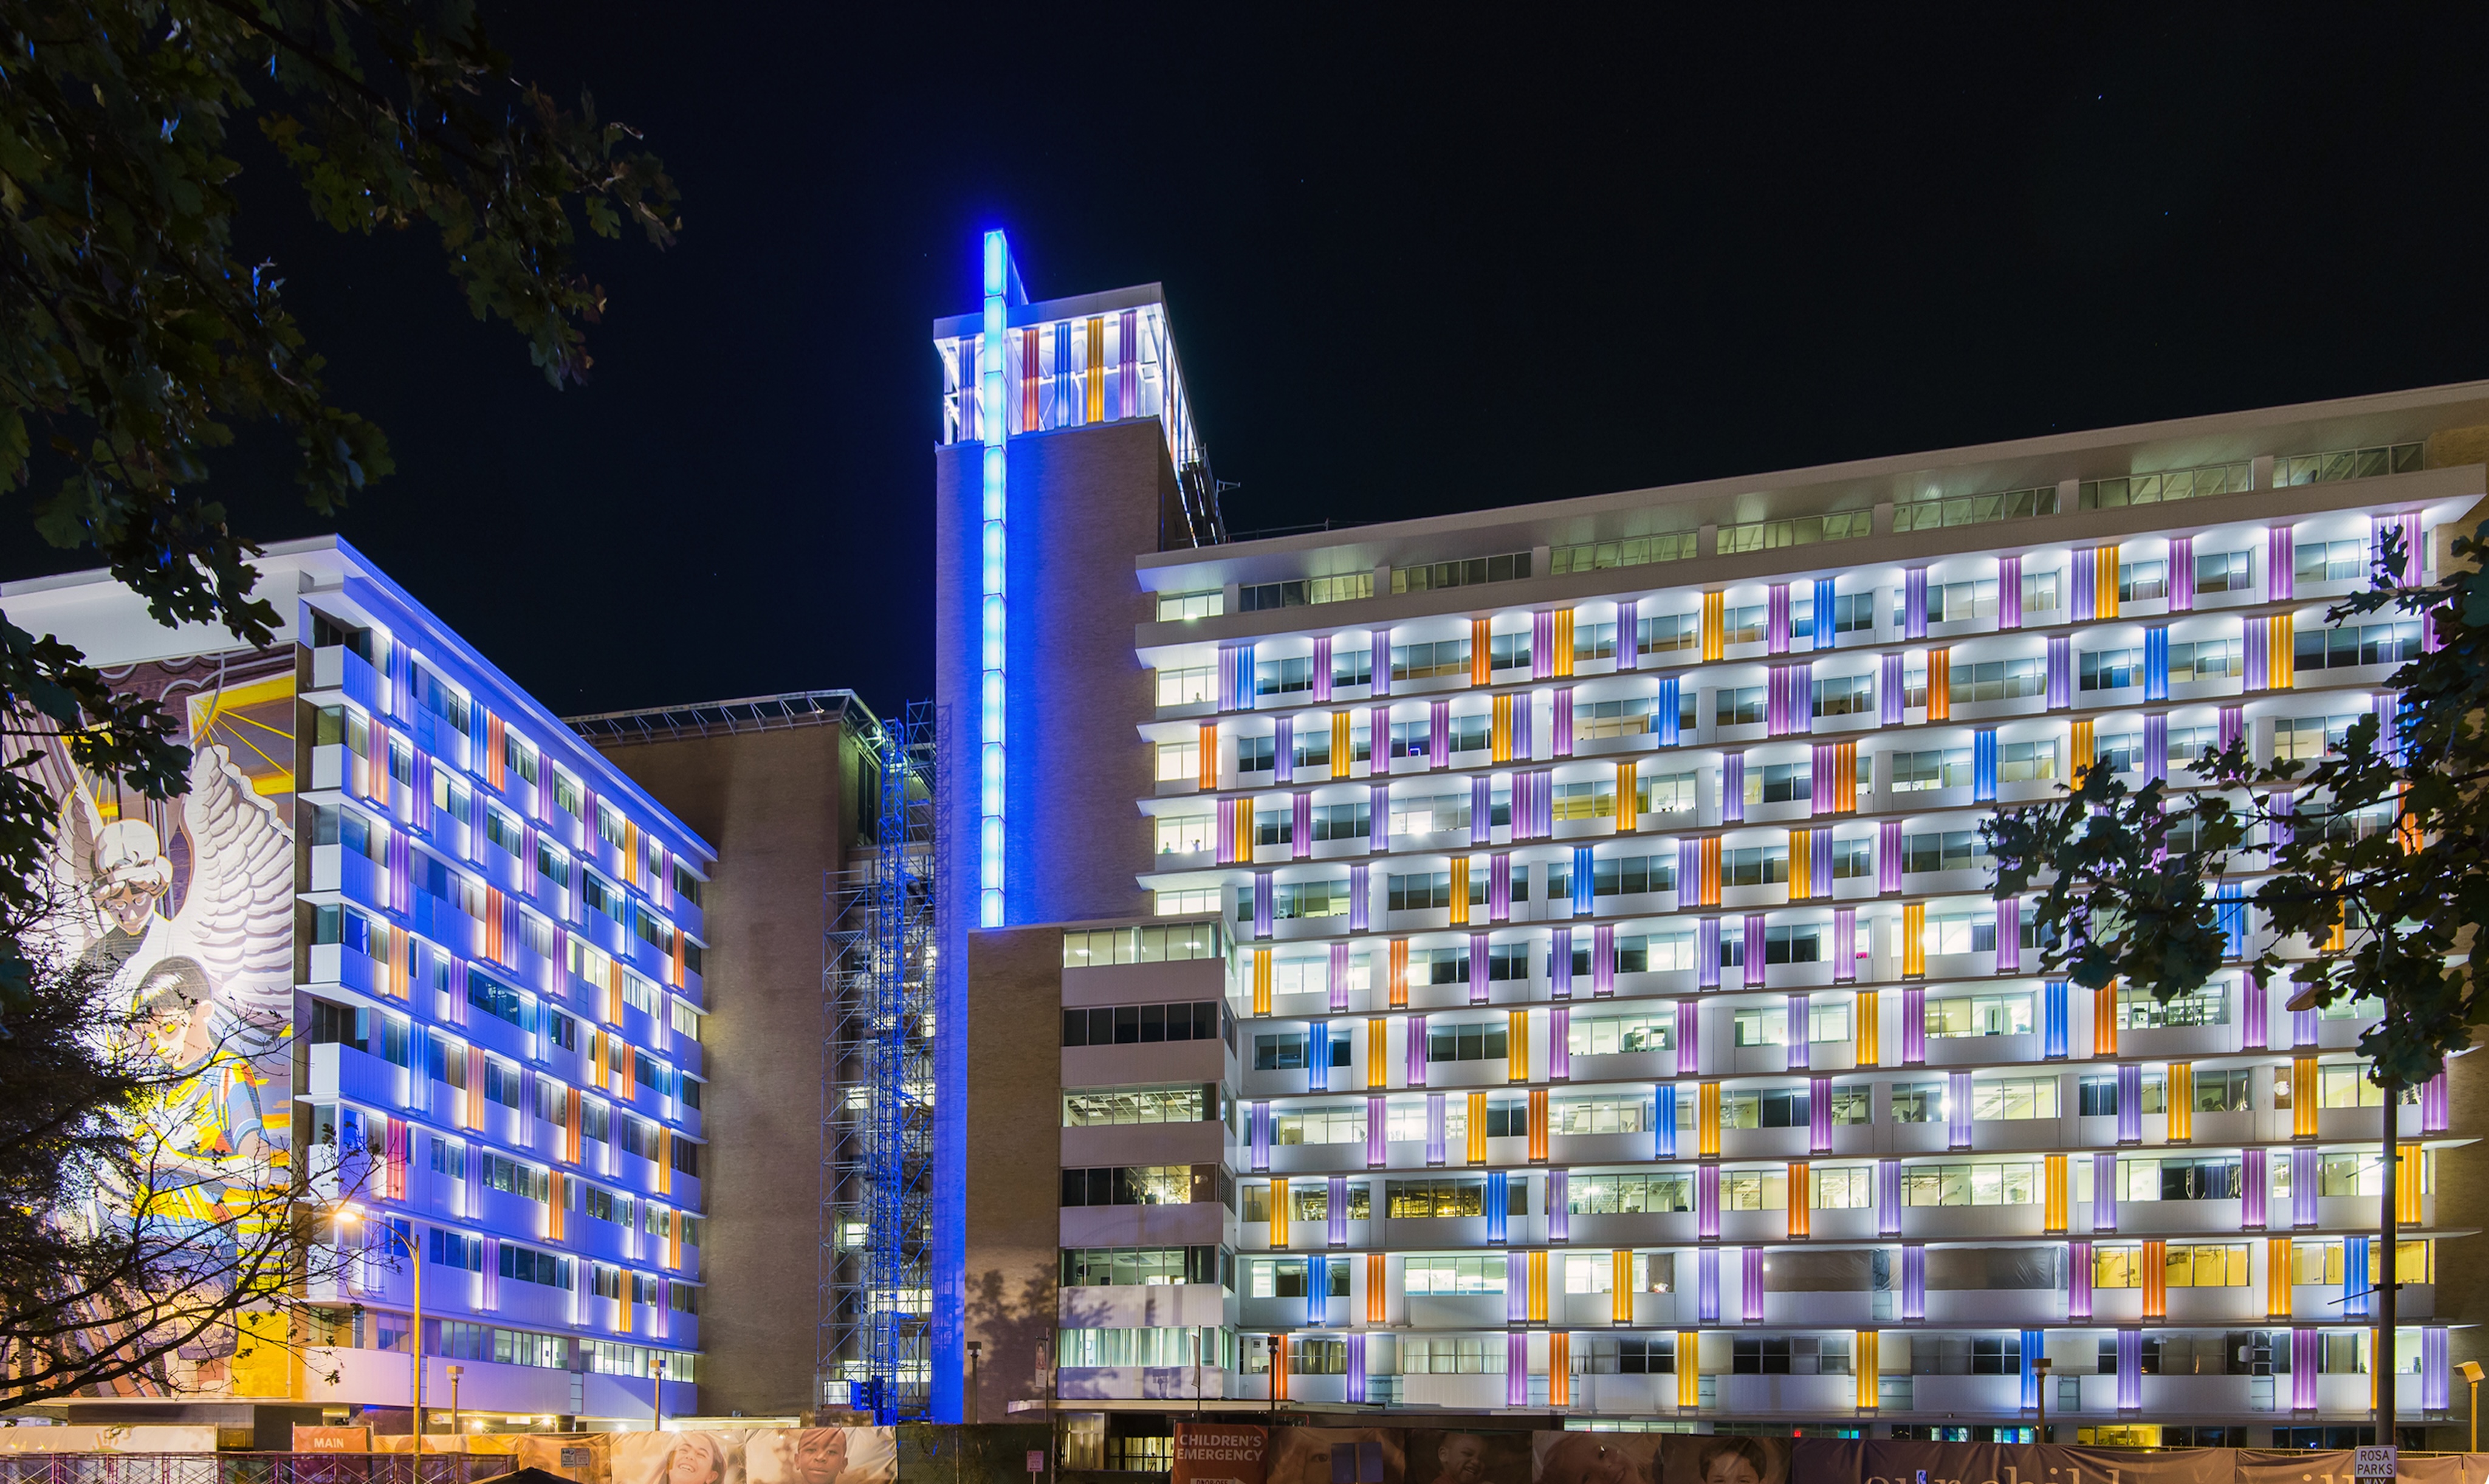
[(1541, 959), (438, 955)]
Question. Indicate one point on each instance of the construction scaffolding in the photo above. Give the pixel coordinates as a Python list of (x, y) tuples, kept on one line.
[(877, 966)]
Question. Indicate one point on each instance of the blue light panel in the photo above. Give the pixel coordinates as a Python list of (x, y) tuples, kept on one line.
[(994, 423)]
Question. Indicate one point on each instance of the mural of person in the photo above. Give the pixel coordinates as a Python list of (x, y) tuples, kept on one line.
[(1460, 1459), (698, 1458), (1598, 1458), (1720, 1460)]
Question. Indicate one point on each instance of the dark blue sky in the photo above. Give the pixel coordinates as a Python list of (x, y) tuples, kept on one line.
[(1418, 263)]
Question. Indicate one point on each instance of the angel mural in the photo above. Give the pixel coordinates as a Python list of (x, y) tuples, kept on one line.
[(186, 905)]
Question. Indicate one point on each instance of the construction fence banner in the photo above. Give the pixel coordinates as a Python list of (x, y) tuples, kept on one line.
[(1249, 1453), (758, 1455)]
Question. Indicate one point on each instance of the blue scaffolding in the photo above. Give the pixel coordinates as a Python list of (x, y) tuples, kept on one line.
[(877, 1086)]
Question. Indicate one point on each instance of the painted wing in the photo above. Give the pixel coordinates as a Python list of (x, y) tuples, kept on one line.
[(71, 928), (237, 919)]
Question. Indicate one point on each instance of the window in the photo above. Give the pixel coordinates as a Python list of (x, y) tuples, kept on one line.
[(1633, 875), (1185, 833), (1184, 903), (1752, 866), (1626, 1355), (1980, 1014), (1351, 666), (1594, 642), (2141, 581), (1975, 934), (526, 1265), (1951, 850), (1179, 761), (1187, 687), (2368, 643), (1935, 768), (1999, 680), (1852, 1188), (1779, 782), (2178, 1179), (2110, 669), (2207, 659), (2038, 591), (1790, 1355), (1953, 602), (1342, 821), (1305, 592), (1844, 695), (1632, 552), (2220, 572), (1145, 1266), (1479, 1041), (1452, 1357), (1256, 755), (1851, 1106), (2308, 738), (1627, 716), (518, 756), (2137, 1010), (1975, 509), (2329, 561), (1419, 891), (2166, 485), (1851, 858), (1289, 1050), (1600, 1195), (1450, 1196), (1590, 800), (1620, 1034), (1970, 1185), (1294, 900), (2012, 1097), (2221, 1090), (1514, 567), (1175, 607), (1744, 625), (1804, 530), (1599, 1114), (1672, 793), (1284, 677), (1853, 613), (1344, 1124), (1742, 707), (1754, 1189), (1120, 1106), (1668, 633), (1918, 1102), (1112, 1025), (1776, 1107), (1149, 1184), (1509, 651), (2346, 464), (1420, 662), (1103, 946), (2026, 763)]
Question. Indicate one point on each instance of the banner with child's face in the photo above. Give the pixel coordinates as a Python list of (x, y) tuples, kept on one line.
[(760, 1455)]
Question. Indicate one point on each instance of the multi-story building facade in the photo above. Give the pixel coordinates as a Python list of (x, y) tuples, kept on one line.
[(1542, 959), (452, 961), (786, 788)]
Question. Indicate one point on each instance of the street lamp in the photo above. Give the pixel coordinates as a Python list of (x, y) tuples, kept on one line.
[(349, 1216), (2471, 1370), (455, 1372), (975, 1347), (2039, 1369)]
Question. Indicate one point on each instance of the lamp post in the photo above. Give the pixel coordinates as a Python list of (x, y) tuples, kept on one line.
[(455, 1372), (2471, 1370), (657, 1393), (2039, 1369), (405, 1242), (975, 1347)]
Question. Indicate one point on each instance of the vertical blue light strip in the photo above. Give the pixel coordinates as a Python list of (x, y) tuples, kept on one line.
[(994, 423)]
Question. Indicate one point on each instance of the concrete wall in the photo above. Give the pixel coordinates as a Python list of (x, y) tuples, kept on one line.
[(780, 808), (1013, 1189)]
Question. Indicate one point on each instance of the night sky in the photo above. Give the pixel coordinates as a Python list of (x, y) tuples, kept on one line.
[(1415, 263)]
